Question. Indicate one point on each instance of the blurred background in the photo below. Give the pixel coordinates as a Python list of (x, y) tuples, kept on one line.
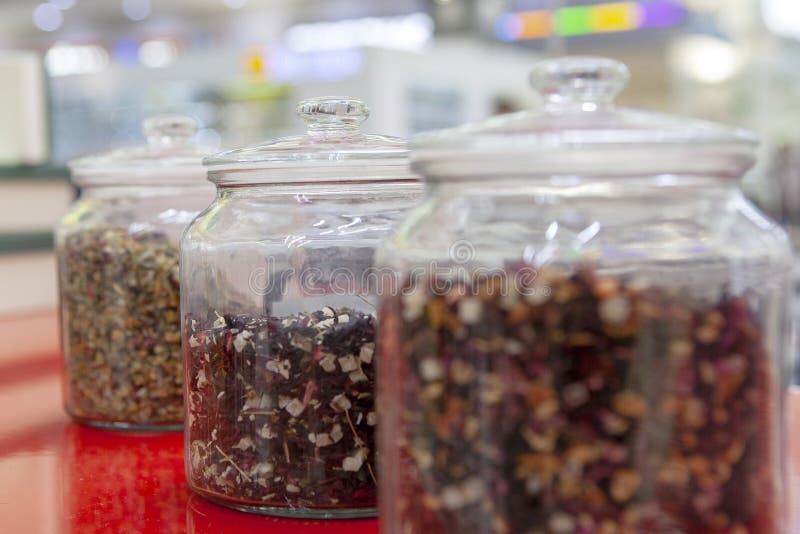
[(78, 77)]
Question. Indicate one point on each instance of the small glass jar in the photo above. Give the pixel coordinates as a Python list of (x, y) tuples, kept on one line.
[(117, 251), (278, 309), (589, 331)]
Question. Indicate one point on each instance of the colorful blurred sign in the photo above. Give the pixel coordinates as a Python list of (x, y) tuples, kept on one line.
[(590, 19)]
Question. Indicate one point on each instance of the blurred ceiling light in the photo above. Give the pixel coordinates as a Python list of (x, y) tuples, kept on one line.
[(409, 32), (47, 17), (286, 66), (65, 59), (782, 17), (235, 4), (136, 9), (126, 52), (706, 59), (63, 4), (704, 6), (157, 53)]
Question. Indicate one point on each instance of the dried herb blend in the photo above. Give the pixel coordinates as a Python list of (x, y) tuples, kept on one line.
[(586, 406), (122, 344), (281, 409)]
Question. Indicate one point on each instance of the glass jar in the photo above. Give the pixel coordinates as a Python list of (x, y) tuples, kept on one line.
[(278, 309), (588, 330), (117, 251)]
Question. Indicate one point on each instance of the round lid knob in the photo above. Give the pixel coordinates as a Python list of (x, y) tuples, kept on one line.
[(579, 79), (331, 114), (165, 131)]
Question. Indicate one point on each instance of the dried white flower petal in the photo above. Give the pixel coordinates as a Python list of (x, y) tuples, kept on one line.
[(281, 367), (302, 342), (472, 489), (470, 310), (255, 402), (262, 468), (367, 352), (323, 440), (341, 403), (195, 453), (240, 341), (328, 363), (336, 433), (202, 381), (246, 443), (266, 432), (353, 463), (295, 407), (348, 363), (615, 310), (357, 376), (325, 324), (431, 369), (452, 498), (413, 304), (561, 523)]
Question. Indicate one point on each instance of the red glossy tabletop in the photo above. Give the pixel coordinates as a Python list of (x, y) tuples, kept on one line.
[(60, 477)]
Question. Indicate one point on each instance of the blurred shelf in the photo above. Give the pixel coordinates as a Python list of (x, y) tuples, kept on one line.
[(35, 172), (26, 242)]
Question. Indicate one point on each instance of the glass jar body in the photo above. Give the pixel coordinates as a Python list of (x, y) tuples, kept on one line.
[(278, 309), (117, 252), (567, 355)]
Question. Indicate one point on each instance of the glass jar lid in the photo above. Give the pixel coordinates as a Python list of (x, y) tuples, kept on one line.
[(579, 131), (332, 150), (168, 158)]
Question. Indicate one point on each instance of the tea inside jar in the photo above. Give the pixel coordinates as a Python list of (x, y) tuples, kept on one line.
[(122, 335), (578, 404), (281, 409)]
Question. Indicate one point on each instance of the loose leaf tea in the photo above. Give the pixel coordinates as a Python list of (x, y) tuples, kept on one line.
[(122, 338), (582, 405), (281, 409)]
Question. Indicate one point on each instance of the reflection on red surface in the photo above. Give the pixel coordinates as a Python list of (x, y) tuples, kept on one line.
[(204, 517), (119, 482)]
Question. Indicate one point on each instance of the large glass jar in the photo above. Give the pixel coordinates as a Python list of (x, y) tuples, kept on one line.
[(278, 309), (588, 329), (117, 251)]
